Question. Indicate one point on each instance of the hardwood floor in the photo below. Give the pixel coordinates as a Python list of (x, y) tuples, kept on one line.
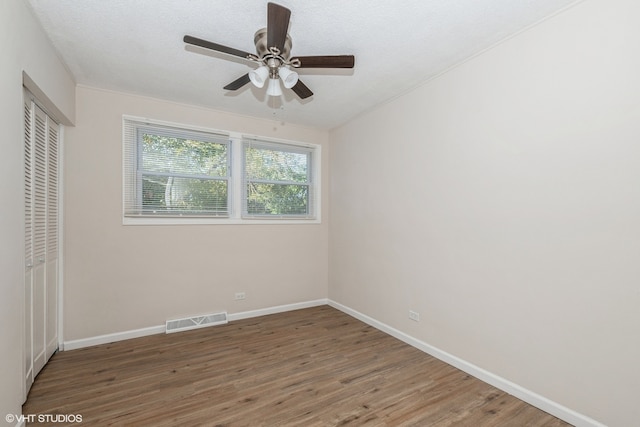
[(311, 367)]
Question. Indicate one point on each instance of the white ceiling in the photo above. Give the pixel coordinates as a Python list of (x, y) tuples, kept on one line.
[(136, 46)]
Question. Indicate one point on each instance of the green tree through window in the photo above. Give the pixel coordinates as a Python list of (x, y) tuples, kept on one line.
[(277, 180), (185, 176)]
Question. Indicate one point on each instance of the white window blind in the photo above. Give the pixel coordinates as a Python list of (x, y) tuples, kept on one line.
[(174, 172), (278, 180)]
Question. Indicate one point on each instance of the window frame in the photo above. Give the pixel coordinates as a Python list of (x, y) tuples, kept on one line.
[(281, 147), (236, 202)]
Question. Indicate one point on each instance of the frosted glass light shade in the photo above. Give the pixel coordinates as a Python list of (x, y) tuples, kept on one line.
[(289, 78), (259, 76), (274, 88)]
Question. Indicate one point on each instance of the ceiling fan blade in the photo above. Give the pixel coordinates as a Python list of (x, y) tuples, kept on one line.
[(238, 83), (302, 90), (277, 25), (215, 46), (327, 61)]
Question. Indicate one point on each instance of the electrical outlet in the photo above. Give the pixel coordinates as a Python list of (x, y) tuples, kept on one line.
[(240, 295), (414, 315)]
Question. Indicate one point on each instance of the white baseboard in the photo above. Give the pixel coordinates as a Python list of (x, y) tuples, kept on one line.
[(277, 309), (108, 338), (160, 329), (503, 384)]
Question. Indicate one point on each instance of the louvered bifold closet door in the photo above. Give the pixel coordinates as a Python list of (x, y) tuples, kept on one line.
[(28, 242), (39, 298), (42, 243), (51, 322)]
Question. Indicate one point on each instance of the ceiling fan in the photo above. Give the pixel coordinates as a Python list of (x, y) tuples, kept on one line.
[(273, 47)]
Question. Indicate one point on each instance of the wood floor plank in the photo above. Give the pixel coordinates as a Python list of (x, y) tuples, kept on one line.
[(311, 367)]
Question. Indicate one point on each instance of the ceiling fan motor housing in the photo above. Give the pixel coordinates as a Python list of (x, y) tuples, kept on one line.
[(260, 40)]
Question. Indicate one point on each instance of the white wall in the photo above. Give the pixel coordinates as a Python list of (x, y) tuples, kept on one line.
[(121, 278), (25, 48), (501, 202)]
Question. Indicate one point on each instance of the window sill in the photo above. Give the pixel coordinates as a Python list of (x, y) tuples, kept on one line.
[(217, 221)]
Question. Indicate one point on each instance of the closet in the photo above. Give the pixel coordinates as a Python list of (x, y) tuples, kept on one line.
[(41, 231)]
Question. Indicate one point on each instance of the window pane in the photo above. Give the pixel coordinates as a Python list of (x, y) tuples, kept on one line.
[(276, 199), (162, 194), (276, 165), (183, 156)]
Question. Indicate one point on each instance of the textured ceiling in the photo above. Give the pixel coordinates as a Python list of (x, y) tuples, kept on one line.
[(136, 46)]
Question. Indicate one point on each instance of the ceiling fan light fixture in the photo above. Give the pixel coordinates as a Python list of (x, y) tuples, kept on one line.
[(259, 76), (289, 78), (274, 88), (273, 48)]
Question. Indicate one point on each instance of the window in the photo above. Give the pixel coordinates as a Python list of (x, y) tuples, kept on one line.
[(176, 175), (277, 180), (174, 172)]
